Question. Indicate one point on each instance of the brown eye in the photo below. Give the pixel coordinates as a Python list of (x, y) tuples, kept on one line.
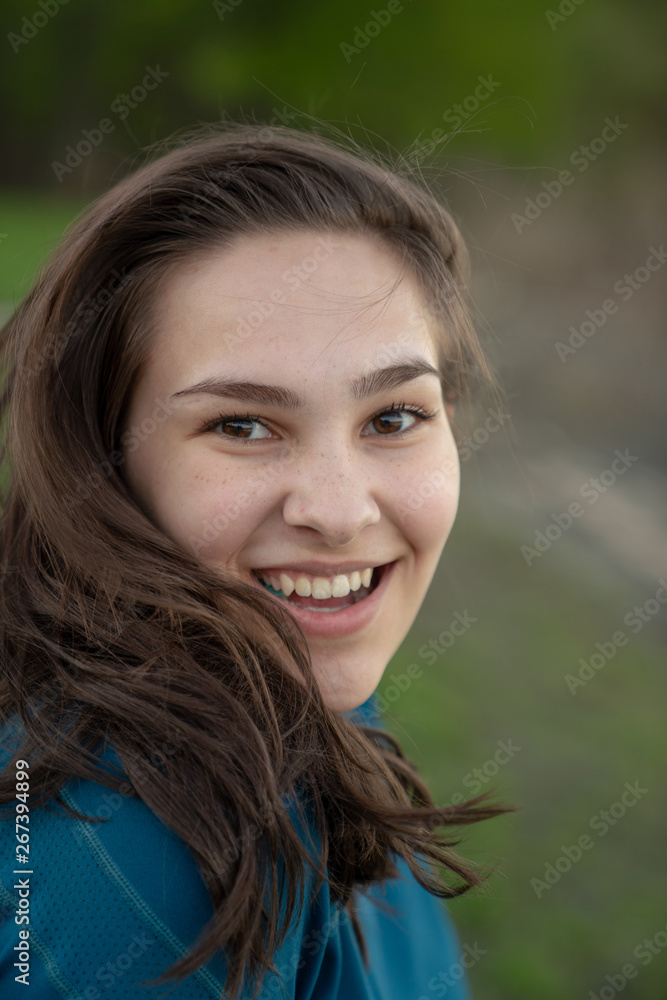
[(387, 423), (399, 419), (237, 428), (241, 428)]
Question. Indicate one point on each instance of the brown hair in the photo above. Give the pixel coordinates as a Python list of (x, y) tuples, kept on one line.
[(110, 627)]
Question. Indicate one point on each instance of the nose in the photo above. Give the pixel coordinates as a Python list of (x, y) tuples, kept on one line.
[(333, 494)]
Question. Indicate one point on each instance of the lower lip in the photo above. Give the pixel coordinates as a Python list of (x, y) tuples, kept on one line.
[(347, 620)]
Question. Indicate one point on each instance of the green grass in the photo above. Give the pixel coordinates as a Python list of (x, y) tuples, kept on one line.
[(504, 679), (30, 227)]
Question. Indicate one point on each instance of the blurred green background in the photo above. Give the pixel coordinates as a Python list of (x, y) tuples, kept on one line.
[(489, 103)]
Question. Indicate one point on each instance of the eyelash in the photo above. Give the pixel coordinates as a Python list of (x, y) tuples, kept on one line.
[(400, 407)]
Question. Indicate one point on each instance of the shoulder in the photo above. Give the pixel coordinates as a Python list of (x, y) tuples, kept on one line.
[(111, 901), (413, 944), (107, 902)]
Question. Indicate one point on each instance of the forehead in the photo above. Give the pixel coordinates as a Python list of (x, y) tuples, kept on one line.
[(308, 303)]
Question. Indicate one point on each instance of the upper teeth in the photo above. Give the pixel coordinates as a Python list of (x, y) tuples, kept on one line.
[(320, 587)]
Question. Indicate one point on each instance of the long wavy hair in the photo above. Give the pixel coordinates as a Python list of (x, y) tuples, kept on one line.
[(110, 632)]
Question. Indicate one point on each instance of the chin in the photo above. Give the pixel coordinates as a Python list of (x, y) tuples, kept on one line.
[(346, 686)]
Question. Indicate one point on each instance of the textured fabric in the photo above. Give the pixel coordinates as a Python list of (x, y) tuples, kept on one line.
[(112, 904)]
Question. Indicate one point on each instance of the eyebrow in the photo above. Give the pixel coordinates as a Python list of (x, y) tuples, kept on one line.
[(380, 380)]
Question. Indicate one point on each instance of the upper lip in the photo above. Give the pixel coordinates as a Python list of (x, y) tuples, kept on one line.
[(320, 569)]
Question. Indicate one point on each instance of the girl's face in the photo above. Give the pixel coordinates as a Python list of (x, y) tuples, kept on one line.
[(289, 428)]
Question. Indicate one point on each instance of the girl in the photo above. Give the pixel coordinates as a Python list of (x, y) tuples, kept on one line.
[(222, 397)]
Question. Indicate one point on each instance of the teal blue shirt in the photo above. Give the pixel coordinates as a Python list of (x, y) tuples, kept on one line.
[(111, 905)]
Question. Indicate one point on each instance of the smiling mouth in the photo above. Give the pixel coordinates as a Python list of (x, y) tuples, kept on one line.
[(314, 596)]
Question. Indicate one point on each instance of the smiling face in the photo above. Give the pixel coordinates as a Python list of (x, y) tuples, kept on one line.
[(289, 428)]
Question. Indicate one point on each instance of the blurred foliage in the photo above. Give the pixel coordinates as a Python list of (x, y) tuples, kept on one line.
[(558, 79)]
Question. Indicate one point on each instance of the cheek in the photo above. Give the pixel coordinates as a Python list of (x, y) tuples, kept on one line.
[(215, 512), (426, 502)]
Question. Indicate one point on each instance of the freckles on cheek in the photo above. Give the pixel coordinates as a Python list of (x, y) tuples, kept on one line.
[(224, 511)]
